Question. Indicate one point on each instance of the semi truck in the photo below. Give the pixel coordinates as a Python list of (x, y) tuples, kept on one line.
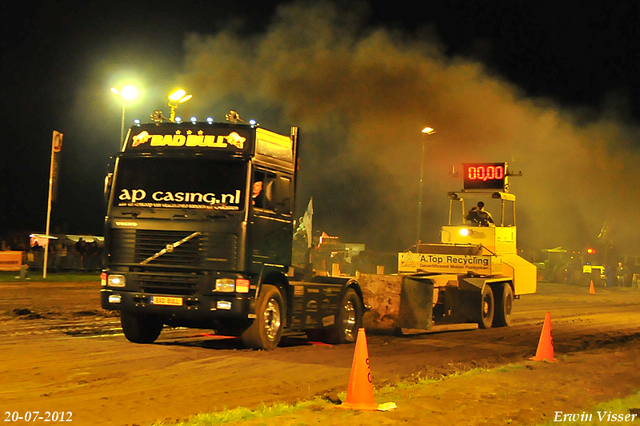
[(199, 231)]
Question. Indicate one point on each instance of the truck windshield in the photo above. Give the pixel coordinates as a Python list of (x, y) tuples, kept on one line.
[(194, 183)]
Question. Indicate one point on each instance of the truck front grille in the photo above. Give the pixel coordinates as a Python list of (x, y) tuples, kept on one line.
[(143, 247), (150, 243)]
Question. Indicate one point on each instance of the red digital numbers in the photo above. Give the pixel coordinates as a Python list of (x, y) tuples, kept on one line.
[(485, 176), (485, 173)]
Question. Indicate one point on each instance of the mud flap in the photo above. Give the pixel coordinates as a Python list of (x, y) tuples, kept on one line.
[(416, 303), (396, 302)]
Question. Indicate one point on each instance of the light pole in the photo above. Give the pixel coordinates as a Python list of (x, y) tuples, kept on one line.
[(179, 96), (427, 131), (127, 93)]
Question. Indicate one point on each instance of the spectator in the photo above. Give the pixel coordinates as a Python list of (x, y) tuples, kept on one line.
[(621, 272), (81, 249), (608, 273)]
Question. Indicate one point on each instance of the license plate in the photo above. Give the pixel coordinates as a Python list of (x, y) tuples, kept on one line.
[(168, 301)]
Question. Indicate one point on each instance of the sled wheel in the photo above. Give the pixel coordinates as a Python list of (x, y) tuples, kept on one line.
[(487, 307), (503, 307)]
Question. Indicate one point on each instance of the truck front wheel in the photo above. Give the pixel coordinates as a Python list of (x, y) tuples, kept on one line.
[(487, 307), (140, 328), (503, 307), (266, 330)]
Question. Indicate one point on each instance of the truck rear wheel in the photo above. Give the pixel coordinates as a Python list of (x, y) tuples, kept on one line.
[(140, 328), (266, 330), (487, 307), (503, 307), (349, 320)]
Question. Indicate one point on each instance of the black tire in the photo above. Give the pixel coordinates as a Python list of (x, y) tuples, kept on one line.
[(504, 305), (266, 330), (140, 328), (487, 307), (349, 319)]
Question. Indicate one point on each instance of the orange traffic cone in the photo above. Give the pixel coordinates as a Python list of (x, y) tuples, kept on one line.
[(592, 290), (360, 390), (545, 345)]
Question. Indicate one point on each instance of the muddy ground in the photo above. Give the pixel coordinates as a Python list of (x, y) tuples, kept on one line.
[(60, 352)]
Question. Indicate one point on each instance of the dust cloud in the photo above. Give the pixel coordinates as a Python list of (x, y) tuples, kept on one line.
[(361, 97)]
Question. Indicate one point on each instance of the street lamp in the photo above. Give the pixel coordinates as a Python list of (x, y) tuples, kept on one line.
[(427, 131), (178, 97), (127, 93)]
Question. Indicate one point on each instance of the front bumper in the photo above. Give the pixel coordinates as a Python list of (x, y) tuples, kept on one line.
[(225, 305)]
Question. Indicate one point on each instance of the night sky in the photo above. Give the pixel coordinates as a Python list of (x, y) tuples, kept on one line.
[(551, 88)]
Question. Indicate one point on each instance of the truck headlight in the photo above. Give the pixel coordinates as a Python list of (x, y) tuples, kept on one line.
[(229, 285), (116, 280), (225, 285)]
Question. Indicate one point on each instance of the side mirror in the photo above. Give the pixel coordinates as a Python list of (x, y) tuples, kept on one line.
[(108, 179)]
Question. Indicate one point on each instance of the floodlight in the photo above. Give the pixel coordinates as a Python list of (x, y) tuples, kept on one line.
[(129, 93), (177, 95)]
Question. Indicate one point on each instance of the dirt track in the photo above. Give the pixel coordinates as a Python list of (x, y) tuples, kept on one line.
[(60, 352)]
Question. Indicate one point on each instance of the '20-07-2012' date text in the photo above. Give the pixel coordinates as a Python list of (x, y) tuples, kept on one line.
[(38, 416)]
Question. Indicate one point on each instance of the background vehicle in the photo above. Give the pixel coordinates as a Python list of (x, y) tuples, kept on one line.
[(472, 275)]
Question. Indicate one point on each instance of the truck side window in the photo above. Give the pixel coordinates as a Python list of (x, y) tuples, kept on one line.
[(271, 192), (283, 195), (262, 190)]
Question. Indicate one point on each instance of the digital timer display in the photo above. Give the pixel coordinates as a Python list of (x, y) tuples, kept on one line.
[(485, 175)]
